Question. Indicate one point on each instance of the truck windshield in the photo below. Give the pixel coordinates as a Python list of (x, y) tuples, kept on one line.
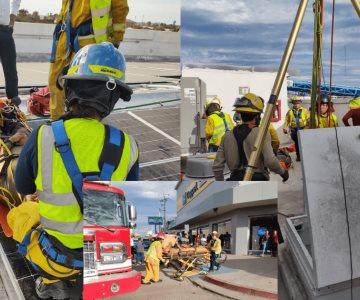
[(104, 208)]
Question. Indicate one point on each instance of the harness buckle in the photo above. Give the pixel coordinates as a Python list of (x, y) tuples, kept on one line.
[(63, 27), (67, 146)]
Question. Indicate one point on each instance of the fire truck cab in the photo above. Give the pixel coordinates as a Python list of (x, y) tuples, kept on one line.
[(107, 250)]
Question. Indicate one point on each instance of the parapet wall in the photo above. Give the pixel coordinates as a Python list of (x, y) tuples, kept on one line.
[(34, 42)]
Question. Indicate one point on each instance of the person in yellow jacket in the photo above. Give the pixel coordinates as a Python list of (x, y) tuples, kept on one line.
[(326, 118), (215, 248), (81, 23), (217, 123), (59, 156), (296, 118), (153, 257)]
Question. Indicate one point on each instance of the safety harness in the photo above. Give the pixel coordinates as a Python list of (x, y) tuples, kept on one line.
[(108, 162), (222, 116), (72, 34), (55, 251), (241, 132), (297, 115)]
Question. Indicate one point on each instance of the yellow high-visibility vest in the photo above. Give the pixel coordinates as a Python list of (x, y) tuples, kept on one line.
[(59, 210)]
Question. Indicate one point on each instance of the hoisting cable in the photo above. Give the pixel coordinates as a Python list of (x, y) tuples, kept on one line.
[(347, 215)]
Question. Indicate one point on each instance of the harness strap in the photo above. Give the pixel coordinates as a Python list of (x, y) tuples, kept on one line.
[(112, 151), (63, 146), (222, 116), (55, 38), (240, 133), (68, 29), (83, 29), (51, 251)]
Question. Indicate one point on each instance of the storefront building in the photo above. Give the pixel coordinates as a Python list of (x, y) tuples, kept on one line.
[(234, 209)]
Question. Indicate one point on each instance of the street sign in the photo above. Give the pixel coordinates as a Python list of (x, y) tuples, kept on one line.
[(155, 220)]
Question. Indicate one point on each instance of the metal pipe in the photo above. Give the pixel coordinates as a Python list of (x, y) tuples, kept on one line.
[(356, 5), (255, 154)]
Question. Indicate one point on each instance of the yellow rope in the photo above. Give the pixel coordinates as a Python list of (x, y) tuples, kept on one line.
[(2, 143), (7, 200)]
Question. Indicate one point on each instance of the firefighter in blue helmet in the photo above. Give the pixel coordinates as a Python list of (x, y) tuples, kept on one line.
[(59, 156)]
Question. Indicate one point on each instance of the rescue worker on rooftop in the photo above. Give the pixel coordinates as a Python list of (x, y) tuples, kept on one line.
[(327, 118), (58, 156), (297, 119), (236, 145), (217, 123), (353, 113), (81, 23)]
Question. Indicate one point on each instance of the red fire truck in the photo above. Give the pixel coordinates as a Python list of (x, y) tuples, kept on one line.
[(107, 250)]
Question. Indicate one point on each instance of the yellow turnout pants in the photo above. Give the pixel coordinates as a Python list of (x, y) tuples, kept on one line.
[(152, 272), (57, 96)]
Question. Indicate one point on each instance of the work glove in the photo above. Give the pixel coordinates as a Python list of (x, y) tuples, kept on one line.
[(285, 176)]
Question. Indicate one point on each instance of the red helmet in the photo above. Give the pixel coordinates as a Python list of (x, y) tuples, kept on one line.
[(160, 235)]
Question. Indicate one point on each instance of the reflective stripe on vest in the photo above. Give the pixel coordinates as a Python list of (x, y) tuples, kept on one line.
[(58, 207), (152, 251), (219, 128), (57, 217), (100, 13)]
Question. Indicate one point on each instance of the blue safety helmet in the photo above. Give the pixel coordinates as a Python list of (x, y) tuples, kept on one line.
[(102, 63)]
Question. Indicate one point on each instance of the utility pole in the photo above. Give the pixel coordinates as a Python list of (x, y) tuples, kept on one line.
[(163, 208)]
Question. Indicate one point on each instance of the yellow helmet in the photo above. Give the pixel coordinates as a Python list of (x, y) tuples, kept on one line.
[(214, 100), (249, 103), (296, 99)]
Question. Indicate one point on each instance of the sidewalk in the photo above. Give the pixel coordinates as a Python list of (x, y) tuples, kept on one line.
[(243, 277)]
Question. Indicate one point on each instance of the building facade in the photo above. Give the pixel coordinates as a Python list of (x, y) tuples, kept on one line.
[(234, 209)]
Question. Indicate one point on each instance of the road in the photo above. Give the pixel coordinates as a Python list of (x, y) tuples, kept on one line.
[(169, 289)]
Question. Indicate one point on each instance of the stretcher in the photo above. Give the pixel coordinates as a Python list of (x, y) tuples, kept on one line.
[(188, 261)]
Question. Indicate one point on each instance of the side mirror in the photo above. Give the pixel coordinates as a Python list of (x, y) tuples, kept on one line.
[(132, 213), (132, 225)]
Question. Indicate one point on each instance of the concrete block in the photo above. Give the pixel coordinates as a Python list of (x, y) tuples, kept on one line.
[(329, 163)]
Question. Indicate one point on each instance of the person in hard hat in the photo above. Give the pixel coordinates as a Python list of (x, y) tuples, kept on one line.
[(326, 118), (296, 118), (215, 251), (59, 156), (8, 12), (275, 141), (237, 144), (82, 23), (153, 257), (353, 113), (217, 123)]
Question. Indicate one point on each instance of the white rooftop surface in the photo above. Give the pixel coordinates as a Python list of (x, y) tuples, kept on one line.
[(36, 73)]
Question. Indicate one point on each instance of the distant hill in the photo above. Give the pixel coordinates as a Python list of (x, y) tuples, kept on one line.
[(34, 17)]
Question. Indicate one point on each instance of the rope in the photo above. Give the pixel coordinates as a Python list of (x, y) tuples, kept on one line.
[(347, 215), (5, 198), (331, 56)]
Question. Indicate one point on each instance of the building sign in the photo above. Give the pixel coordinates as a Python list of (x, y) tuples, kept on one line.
[(155, 220), (191, 192)]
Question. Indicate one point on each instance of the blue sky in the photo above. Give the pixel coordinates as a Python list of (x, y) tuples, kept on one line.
[(140, 10), (146, 195), (255, 33)]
